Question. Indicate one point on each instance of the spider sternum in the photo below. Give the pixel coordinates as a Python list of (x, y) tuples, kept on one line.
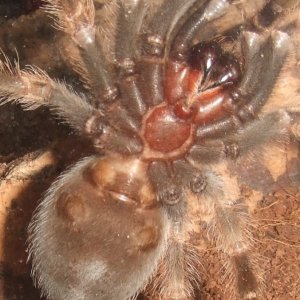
[(165, 135)]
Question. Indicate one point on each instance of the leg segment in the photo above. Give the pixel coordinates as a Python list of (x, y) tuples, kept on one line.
[(229, 229), (206, 13), (168, 191), (279, 50), (155, 44), (161, 25), (33, 88), (271, 128), (252, 50), (178, 272), (264, 58), (76, 18), (255, 51), (130, 20), (218, 128)]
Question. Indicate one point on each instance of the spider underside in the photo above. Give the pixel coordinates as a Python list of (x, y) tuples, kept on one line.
[(165, 118)]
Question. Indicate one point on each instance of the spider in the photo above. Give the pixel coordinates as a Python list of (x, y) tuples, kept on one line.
[(169, 117)]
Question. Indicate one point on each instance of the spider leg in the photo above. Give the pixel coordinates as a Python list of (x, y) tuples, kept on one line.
[(33, 88), (274, 61), (76, 18), (229, 229), (252, 49), (178, 273), (272, 127), (154, 46), (261, 53), (256, 51), (206, 13), (168, 191), (239, 12), (130, 20), (229, 124), (203, 20)]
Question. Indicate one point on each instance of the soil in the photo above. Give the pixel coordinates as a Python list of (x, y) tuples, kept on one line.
[(35, 149)]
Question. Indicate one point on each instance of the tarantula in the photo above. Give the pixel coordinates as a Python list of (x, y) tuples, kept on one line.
[(167, 117)]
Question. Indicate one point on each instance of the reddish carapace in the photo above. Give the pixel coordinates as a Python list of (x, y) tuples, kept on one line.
[(196, 93)]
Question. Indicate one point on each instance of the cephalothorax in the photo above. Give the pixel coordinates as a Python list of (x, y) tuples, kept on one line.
[(164, 117)]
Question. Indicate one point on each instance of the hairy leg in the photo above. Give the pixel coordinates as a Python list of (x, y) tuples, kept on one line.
[(77, 19), (274, 127), (261, 53), (130, 20), (33, 88), (229, 228), (154, 46), (178, 274)]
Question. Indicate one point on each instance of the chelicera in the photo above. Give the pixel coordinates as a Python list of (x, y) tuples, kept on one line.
[(161, 116)]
